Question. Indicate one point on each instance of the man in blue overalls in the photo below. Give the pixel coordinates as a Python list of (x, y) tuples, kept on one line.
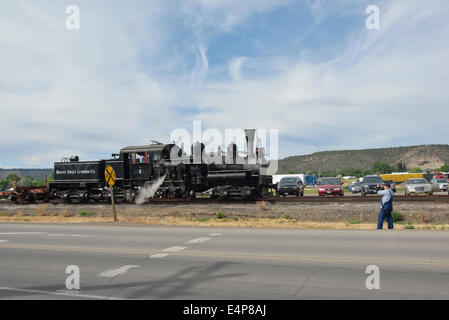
[(386, 206)]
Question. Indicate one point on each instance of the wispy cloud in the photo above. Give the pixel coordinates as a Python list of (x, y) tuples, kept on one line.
[(126, 75)]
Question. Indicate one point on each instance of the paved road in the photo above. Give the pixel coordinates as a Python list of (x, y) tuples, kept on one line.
[(155, 262)]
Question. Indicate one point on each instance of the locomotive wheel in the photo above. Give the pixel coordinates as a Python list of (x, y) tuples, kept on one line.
[(66, 198), (83, 197), (14, 199), (31, 198)]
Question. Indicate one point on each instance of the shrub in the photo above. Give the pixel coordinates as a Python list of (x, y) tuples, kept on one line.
[(287, 216), (354, 222), (220, 215), (397, 216), (86, 214), (409, 225)]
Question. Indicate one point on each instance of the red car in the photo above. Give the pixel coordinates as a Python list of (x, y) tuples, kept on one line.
[(439, 175), (330, 187)]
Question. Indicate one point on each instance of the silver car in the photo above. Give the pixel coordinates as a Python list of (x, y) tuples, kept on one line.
[(355, 187), (442, 184), (419, 186)]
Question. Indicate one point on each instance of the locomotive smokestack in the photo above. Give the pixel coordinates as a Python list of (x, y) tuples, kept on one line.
[(250, 134)]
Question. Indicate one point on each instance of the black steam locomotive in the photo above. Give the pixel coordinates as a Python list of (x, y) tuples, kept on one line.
[(168, 172)]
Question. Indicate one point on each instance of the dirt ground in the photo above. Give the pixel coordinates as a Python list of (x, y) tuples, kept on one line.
[(427, 215)]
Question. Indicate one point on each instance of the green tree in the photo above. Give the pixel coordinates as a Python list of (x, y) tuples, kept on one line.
[(10, 177), (401, 167), (366, 172), (352, 172), (416, 170), (27, 181), (444, 168), (3, 184), (329, 174), (381, 167)]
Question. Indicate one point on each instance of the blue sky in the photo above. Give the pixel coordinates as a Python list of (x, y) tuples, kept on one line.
[(136, 72)]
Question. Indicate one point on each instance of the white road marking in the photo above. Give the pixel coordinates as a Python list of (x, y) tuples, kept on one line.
[(171, 249), (159, 255), (111, 273), (66, 235), (19, 233), (216, 234), (174, 249), (62, 293), (3, 241), (198, 240)]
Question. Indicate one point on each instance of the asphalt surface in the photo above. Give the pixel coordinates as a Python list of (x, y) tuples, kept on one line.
[(157, 262)]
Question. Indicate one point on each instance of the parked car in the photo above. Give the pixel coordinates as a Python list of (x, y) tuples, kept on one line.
[(392, 185), (291, 185), (440, 175), (419, 186), (372, 184), (330, 187), (442, 184), (355, 187)]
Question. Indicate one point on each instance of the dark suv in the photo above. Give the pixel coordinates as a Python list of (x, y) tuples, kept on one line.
[(370, 184), (291, 185)]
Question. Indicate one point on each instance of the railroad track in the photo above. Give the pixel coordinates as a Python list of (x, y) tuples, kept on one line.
[(374, 198), (313, 199), (306, 199)]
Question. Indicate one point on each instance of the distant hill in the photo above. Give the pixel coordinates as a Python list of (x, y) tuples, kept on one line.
[(423, 156), (36, 174)]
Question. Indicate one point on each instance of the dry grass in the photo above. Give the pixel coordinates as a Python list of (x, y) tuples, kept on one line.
[(262, 205), (66, 213), (424, 219), (42, 211), (213, 222)]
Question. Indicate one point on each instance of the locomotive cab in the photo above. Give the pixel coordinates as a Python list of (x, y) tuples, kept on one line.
[(139, 161)]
